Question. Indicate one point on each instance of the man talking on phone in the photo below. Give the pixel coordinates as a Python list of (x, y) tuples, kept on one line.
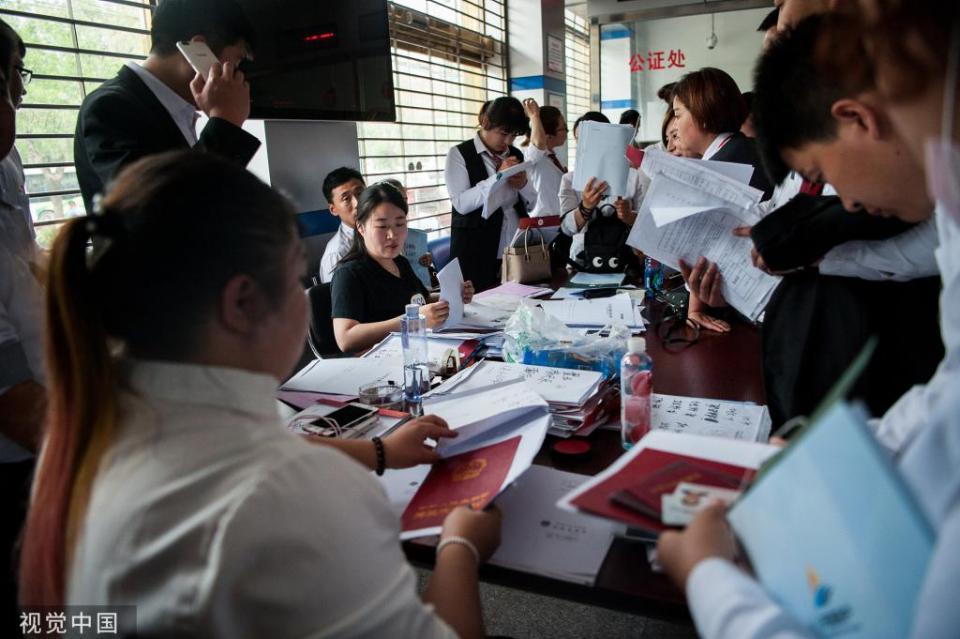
[(153, 106)]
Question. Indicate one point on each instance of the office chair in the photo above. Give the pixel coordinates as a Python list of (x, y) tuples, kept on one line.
[(322, 341)]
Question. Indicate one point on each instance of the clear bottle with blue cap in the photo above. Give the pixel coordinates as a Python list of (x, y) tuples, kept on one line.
[(416, 364)]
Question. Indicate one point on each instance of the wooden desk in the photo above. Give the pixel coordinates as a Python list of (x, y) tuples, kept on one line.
[(717, 366)]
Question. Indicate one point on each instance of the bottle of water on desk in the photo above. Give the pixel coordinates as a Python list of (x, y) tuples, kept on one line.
[(652, 277), (416, 367), (636, 388)]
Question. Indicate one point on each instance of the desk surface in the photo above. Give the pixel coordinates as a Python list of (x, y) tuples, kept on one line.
[(717, 366)]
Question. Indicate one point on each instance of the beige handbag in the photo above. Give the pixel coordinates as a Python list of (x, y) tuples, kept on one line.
[(528, 263)]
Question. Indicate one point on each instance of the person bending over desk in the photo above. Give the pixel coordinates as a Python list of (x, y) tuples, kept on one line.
[(374, 281), (167, 480)]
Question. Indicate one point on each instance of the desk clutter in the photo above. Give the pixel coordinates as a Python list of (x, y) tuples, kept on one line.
[(525, 369)]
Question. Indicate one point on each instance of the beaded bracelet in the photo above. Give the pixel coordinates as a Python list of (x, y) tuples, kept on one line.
[(462, 541), (381, 455)]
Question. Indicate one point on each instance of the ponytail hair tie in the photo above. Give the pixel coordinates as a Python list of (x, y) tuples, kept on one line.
[(105, 229)]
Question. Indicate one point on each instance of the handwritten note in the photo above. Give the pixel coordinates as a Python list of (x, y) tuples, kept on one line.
[(712, 417)]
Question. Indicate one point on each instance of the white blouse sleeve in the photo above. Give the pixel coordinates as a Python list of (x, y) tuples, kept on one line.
[(727, 604), (463, 197), (333, 565)]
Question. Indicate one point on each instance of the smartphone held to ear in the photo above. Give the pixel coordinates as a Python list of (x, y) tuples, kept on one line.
[(199, 55)]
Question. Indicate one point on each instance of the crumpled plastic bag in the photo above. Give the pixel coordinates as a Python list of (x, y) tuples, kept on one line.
[(533, 337)]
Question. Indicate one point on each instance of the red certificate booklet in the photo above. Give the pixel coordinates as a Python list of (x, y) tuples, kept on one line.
[(470, 479), (633, 494)]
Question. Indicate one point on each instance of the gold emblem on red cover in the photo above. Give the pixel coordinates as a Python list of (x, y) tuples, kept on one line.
[(468, 470)]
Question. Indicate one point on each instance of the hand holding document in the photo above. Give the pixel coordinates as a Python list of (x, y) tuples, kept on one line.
[(475, 412), (601, 154), (690, 211), (493, 198), (451, 291)]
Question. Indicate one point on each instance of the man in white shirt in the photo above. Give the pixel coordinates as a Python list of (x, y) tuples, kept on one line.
[(152, 107), (22, 393), (342, 188)]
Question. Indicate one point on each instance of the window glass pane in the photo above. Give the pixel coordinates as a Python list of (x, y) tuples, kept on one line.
[(50, 177)]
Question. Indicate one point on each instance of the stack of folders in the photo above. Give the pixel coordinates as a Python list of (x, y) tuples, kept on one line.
[(631, 490), (577, 399)]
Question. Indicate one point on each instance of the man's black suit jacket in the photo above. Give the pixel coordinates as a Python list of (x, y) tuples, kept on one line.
[(123, 121), (743, 150)]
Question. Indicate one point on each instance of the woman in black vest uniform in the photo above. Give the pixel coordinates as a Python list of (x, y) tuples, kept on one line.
[(374, 281), (472, 168)]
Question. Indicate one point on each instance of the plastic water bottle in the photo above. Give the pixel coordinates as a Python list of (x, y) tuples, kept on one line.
[(652, 276), (416, 365), (636, 388)]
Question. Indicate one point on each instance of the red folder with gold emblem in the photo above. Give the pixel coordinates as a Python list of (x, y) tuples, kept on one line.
[(472, 479)]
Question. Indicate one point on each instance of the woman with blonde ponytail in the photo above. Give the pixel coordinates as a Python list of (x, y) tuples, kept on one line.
[(166, 480)]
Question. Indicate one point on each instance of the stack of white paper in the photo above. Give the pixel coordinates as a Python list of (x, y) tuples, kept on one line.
[(690, 211), (472, 413), (597, 312), (601, 154), (539, 538), (343, 376), (573, 396), (562, 386)]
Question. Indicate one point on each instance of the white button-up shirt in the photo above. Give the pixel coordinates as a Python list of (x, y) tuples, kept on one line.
[(466, 198), (726, 603), (183, 113), (545, 177), (216, 521), (21, 334), (16, 223), (333, 252)]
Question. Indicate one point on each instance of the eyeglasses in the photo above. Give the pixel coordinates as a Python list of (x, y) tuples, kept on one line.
[(25, 74)]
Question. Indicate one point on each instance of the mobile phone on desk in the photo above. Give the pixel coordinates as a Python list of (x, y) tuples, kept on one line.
[(199, 55), (341, 421)]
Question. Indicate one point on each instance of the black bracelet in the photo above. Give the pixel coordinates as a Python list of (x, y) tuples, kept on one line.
[(381, 455), (585, 212)]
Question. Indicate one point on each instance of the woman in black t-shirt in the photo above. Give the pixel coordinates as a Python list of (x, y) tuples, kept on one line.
[(374, 281)]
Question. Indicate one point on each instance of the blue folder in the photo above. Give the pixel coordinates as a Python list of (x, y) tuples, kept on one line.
[(413, 248), (835, 534)]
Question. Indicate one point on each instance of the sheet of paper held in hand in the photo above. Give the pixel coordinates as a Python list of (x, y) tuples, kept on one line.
[(699, 208), (493, 199), (601, 154), (451, 290)]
